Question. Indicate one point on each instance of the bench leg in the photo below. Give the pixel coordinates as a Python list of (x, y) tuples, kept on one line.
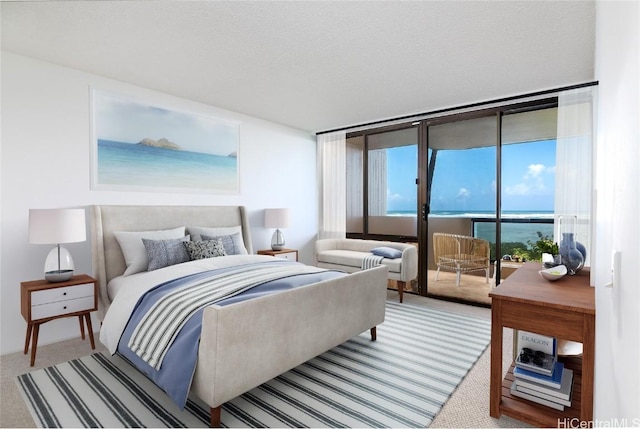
[(373, 334), (401, 286), (215, 416)]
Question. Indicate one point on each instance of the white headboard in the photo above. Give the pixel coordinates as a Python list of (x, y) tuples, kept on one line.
[(107, 258)]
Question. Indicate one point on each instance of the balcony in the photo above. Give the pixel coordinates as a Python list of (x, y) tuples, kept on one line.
[(518, 231)]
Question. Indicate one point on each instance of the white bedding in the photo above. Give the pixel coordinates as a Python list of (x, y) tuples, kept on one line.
[(125, 291)]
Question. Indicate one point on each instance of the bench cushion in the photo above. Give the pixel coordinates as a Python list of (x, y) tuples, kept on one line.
[(353, 258)]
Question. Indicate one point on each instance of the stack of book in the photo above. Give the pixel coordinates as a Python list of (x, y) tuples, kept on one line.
[(551, 390), (539, 377)]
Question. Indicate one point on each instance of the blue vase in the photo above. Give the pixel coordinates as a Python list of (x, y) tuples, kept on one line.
[(582, 250), (571, 257)]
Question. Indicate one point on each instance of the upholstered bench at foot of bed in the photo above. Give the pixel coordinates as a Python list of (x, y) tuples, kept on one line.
[(215, 413), (268, 338), (347, 255)]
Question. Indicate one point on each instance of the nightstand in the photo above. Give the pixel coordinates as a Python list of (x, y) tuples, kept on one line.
[(288, 254), (42, 301)]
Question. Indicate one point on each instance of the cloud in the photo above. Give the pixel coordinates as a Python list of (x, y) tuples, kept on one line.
[(519, 189), (463, 193), (391, 196), (533, 181), (534, 170)]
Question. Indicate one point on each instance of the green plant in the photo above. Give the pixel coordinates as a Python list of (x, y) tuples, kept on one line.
[(544, 244), (547, 246)]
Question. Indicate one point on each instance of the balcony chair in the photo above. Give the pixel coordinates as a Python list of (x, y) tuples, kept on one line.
[(460, 254)]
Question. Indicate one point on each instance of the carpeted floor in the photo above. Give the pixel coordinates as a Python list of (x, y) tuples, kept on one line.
[(468, 406)]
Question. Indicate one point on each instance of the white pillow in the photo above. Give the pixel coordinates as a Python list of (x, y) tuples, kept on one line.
[(197, 231), (135, 254)]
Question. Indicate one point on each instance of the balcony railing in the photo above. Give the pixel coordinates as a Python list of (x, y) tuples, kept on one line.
[(518, 234)]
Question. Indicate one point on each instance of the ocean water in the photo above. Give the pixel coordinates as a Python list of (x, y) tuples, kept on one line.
[(513, 232), (146, 166), (520, 232)]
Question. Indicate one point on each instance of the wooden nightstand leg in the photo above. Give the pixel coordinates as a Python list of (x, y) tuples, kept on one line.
[(34, 343), (87, 317), (81, 326), (28, 338)]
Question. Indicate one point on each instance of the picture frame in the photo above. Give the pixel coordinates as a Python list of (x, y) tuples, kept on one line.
[(141, 146)]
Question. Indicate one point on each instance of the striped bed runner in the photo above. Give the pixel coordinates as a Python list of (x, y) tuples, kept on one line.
[(401, 380)]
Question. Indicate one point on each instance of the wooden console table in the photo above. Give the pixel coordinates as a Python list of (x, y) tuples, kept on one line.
[(564, 309)]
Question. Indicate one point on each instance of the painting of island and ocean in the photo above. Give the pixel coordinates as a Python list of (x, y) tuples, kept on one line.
[(143, 147)]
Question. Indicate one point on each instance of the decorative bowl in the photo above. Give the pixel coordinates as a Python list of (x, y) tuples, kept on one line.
[(554, 273)]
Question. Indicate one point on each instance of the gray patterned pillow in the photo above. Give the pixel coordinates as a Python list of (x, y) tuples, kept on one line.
[(205, 249), (198, 231), (233, 244), (163, 253)]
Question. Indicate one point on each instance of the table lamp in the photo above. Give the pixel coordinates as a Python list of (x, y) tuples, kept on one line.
[(276, 218), (57, 226)]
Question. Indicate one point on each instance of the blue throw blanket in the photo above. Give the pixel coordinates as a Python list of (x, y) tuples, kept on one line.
[(175, 374)]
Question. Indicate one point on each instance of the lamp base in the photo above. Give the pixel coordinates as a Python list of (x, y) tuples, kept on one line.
[(58, 267), (58, 276), (277, 241)]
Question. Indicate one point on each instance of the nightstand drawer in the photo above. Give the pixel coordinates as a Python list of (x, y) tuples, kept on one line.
[(289, 256), (62, 294), (59, 308)]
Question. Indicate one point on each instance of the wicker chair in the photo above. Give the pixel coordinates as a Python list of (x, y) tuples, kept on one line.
[(461, 254)]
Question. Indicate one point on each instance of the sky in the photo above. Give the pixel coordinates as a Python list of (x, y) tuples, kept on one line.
[(465, 180), (119, 118)]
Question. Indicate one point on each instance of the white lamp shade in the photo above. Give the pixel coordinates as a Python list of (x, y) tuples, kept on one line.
[(55, 226), (276, 218)]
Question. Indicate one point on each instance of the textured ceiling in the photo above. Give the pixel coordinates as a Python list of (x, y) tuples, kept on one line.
[(315, 65)]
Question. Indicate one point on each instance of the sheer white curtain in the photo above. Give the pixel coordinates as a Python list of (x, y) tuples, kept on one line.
[(574, 162), (332, 184)]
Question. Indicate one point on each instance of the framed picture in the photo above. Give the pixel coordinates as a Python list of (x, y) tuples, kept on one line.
[(137, 146)]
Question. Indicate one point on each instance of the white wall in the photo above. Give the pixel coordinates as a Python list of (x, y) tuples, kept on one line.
[(617, 395), (46, 164)]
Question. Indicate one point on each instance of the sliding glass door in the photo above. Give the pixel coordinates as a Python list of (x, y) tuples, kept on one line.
[(485, 178), (382, 168), (528, 171), (460, 187)]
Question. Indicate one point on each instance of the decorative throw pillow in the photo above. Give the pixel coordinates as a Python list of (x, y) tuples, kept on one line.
[(163, 253), (387, 252), (198, 231), (135, 255), (204, 249), (233, 244)]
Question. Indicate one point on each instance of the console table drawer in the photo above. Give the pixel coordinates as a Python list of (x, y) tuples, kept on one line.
[(543, 320), (47, 296), (60, 308)]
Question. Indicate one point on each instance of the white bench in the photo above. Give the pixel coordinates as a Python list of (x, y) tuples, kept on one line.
[(348, 255)]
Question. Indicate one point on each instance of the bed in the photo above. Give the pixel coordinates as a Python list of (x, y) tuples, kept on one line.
[(249, 342)]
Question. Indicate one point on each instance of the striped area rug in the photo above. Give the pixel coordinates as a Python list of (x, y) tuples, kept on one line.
[(401, 380)]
